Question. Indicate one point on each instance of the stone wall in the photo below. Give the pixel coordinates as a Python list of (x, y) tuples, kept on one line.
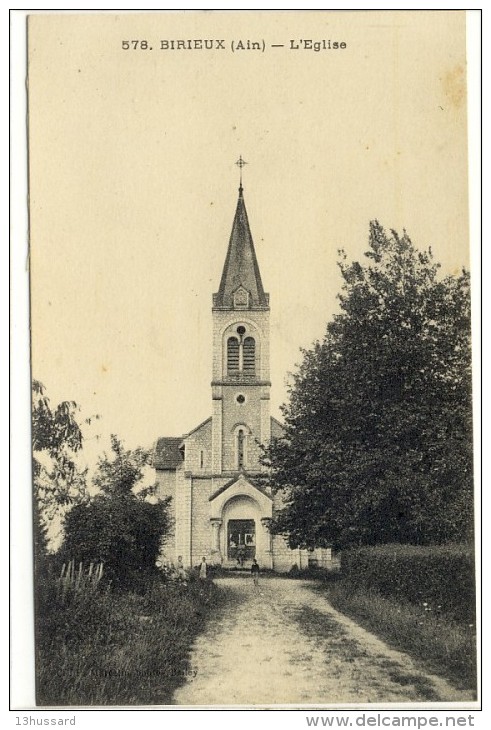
[(166, 487), (235, 415), (283, 557), (198, 457), (183, 517), (201, 526)]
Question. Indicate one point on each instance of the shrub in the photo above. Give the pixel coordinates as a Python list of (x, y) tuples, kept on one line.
[(108, 647), (440, 578), (118, 527), (123, 533)]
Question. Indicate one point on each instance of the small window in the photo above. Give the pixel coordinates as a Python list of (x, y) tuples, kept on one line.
[(240, 448), (241, 298), (201, 459)]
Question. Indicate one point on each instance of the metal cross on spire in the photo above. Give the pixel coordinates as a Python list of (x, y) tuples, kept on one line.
[(240, 162)]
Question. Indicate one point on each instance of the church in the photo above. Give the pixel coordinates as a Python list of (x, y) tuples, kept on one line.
[(220, 506)]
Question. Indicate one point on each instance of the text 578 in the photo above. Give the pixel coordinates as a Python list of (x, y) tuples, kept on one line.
[(135, 46)]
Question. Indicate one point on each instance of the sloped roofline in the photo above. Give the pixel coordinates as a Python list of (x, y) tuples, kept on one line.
[(233, 481), (203, 423), (171, 460)]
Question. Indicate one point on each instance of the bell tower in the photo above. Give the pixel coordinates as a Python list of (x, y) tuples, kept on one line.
[(241, 381)]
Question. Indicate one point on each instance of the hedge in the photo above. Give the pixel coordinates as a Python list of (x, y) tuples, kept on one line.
[(439, 578)]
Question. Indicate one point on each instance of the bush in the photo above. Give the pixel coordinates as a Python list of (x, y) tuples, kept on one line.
[(118, 527), (440, 578), (108, 647), (123, 533)]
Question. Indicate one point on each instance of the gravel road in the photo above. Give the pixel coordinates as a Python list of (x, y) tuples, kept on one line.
[(283, 644)]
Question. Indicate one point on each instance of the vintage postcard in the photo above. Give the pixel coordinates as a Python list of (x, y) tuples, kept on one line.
[(251, 360)]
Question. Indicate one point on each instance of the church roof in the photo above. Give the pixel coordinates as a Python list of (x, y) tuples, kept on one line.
[(167, 454), (198, 428), (241, 268), (278, 423), (233, 481)]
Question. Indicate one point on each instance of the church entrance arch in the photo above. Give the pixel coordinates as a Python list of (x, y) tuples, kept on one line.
[(241, 521), (241, 540), (240, 515)]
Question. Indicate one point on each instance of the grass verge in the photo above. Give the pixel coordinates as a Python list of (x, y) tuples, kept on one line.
[(321, 627), (444, 646), (108, 648)]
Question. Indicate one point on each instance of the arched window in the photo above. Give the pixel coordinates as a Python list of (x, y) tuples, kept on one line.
[(232, 355), (240, 448), (241, 439), (249, 355)]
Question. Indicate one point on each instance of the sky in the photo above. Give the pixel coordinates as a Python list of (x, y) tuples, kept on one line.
[(133, 186)]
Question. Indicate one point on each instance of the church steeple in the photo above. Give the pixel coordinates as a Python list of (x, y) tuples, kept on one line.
[(241, 280), (240, 380)]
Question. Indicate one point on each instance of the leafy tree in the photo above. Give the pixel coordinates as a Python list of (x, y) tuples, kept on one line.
[(378, 439), (58, 480), (118, 526), (119, 476)]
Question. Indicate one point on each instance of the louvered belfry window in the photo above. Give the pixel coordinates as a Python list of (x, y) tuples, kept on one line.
[(249, 355), (232, 355)]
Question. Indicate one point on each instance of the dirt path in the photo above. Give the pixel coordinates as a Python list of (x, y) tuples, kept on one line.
[(256, 653)]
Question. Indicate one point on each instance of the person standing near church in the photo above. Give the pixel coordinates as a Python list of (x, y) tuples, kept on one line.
[(203, 569), (255, 572), (181, 572)]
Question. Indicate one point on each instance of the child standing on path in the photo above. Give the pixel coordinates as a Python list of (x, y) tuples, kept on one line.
[(255, 572)]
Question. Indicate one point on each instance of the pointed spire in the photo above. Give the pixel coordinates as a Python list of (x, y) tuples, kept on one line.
[(241, 269)]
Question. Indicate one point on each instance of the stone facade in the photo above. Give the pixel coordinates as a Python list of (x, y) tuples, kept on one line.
[(220, 505)]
